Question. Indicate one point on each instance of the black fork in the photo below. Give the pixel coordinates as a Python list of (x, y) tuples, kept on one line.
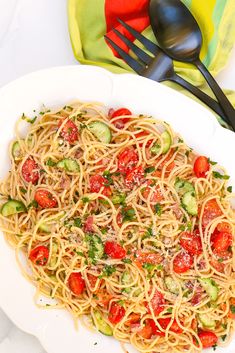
[(159, 67)]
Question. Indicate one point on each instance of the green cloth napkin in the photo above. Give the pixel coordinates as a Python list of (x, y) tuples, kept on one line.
[(89, 20)]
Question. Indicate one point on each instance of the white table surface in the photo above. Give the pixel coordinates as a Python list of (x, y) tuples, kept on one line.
[(34, 35)]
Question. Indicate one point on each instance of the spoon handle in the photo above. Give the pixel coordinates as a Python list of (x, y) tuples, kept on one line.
[(221, 97), (210, 102)]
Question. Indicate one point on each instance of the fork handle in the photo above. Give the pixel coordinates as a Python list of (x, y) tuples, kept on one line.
[(219, 94), (210, 102)]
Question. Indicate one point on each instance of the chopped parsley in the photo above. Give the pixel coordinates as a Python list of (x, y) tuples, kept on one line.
[(159, 267), (104, 230), (149, 170), (169, 310), (128, 214), (108, 271), (85, 199), (148, 234), (158, 209), (82, 126), (211, 162), (230, 189), (127, 261), (33, 204), (232, 308), (180, 140), (108, 177), (217, 175), (23, 190), (119, 198), (50, 163), (95, 247), (31, 121), (80, 253), (223, 337), (77, 222), (147, 266)]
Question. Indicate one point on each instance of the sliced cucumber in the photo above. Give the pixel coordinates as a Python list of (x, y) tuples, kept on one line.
[(68, 164), (189, 203), (126, 280), (207, 321), (101, 325), (16, 151), (183, 186), (101, 131), (210, 287), (96, 247), (167, 141), (171, 285), (12, 207)]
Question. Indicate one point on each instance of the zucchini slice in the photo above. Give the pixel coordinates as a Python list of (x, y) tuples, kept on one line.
[(183, 186), (12, 207), (102, 325), (206, 320), (68, 164), (167, 141), (210, 287), (171, 285), (189, 203), (101, 131)]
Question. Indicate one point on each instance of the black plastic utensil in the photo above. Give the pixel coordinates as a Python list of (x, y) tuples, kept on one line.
[(158, 68), (180, 37)]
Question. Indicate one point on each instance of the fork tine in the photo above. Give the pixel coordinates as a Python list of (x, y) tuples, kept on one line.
[(152, 47), (144, 57), (134, 64)]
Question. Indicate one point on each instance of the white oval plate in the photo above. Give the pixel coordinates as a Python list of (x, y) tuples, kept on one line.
[(57, 86)]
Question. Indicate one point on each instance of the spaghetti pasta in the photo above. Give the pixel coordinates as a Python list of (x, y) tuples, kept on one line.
[(122, 222)]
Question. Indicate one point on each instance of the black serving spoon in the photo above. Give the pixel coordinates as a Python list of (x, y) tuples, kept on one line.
[(179, 35)]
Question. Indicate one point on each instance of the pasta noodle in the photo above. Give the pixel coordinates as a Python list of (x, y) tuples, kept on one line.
[(120, 221)]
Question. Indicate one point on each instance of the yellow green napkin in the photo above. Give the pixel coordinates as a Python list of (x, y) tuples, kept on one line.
[(89, 20)]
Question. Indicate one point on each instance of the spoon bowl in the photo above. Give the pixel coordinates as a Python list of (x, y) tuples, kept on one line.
[(179, 35)]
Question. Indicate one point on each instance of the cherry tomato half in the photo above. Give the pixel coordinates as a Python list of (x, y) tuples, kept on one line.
[(201, 166), (127, 160), (69, 131), (211, 211), (30, 171), (157, 303), (114, 250), (156, 195), (76, 283), (39, 255), (164, 322), (207, 338), (97, 182), (116, 313), (143, 134), (120, 123), (134, 177), (182, 262), (222, 241), (191, 242), (45, 199)]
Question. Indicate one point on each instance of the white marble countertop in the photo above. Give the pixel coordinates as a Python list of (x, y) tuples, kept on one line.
[(33, 36)]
